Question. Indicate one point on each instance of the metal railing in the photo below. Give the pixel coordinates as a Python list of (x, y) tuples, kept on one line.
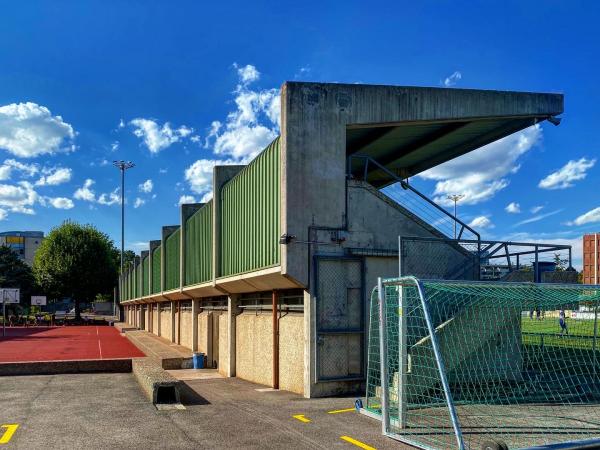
[(414, 201)]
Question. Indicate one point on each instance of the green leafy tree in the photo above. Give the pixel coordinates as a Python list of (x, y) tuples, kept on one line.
[(76, 261), (14, 273), (561, 264), (128, 257)]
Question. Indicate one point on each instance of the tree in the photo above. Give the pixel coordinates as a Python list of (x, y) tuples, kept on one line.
[(14, 273), (76, 261), (560, 262), (128, 257)]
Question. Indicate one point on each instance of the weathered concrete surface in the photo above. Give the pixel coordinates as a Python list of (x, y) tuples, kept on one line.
[(314, 118), (110, 411), (152, 378), (165, 322), (172, 356), (254, 349), (63, 367), (186, 329), (224, 366), (291, 352)]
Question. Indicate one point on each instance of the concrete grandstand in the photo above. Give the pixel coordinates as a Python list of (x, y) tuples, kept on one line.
[(271, 278)]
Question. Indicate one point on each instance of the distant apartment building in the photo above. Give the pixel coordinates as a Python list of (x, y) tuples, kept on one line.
[(23, 243), (591, 258)]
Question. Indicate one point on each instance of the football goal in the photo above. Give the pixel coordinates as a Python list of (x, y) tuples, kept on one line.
[(472, 365)]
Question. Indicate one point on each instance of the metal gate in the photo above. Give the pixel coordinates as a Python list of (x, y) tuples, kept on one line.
[(340, 320)]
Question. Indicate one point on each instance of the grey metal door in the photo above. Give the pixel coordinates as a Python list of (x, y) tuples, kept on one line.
[(339, 318)]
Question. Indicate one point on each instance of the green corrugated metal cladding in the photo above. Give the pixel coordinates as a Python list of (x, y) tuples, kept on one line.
[(156, 270), (198, 246), (249, 222), (146, 276), (139, 277), (172, 261)]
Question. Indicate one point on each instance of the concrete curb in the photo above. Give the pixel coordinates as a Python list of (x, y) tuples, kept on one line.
[(66, 367), (159, 386)]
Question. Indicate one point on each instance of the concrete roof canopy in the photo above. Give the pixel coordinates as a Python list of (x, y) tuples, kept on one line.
[(443, 124)]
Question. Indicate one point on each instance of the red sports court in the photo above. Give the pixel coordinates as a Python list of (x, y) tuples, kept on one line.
[(65, 343)]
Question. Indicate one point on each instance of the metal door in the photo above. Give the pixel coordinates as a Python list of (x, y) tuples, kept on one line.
[(339, 318)]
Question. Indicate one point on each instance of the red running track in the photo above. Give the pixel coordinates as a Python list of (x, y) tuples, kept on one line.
[(64, 343)]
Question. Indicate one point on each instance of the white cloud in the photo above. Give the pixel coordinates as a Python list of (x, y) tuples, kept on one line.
[(158, 137), (537, 218), (60, 202), (251, 126), (246, 132), (18, 198), (513, 208), (110, 199), (114, 146), (186, 199), (247, 73), (592, 216), (536, 209), (55, 176), (199, 174), (85, 192), (3, 214), (28, 130), (165, 170), (11, 165), (481, 222), (146, 186), (480, 174), (452, 79), (565, 176), (139, 202), (121, 124)]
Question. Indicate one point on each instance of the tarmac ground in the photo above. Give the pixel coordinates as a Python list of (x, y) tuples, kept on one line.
[(110, 411)]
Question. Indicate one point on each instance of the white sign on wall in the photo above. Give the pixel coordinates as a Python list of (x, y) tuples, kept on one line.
[(10, 295), (39, 300)]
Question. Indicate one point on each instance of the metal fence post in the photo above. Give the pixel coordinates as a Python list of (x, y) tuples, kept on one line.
[(385, 413), (441, 368), (402, 354)]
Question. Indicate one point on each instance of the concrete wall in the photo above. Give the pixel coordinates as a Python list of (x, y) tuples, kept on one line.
[(291, 352), (165, 324), (147, 317), (155, 319), (186, 329), (223, 344), (314, 119), (254, 347)]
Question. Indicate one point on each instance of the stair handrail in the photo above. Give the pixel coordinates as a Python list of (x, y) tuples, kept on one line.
[(368, 160)]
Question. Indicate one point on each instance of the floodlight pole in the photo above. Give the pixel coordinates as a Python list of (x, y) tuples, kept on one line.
[(455, 198), (122, 166)]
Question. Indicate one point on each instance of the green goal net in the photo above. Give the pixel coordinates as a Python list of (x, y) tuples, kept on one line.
[(460, 364)]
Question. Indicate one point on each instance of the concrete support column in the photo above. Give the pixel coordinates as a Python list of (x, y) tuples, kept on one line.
[(195, 309), (232, 312), (173, 322), (158, 319)]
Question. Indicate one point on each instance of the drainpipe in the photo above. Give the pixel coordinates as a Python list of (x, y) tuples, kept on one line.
[(275, 341)]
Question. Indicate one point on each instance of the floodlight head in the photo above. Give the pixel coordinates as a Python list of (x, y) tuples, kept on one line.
[(554, 120), (123, 165)]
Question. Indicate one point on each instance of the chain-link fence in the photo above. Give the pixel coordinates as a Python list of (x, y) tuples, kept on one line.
[(462, 364)]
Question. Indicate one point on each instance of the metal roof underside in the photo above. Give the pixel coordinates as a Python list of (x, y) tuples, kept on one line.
[(411, 148)]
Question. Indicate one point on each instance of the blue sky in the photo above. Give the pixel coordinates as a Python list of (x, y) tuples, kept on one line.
[(176, 86)]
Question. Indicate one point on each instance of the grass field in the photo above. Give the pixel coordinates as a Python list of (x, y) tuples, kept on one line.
[(550, 326)]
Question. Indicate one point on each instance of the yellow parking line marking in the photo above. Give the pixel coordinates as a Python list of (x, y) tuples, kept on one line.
[(301, 418), (357, 443), (8, 434), (337, 411)]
